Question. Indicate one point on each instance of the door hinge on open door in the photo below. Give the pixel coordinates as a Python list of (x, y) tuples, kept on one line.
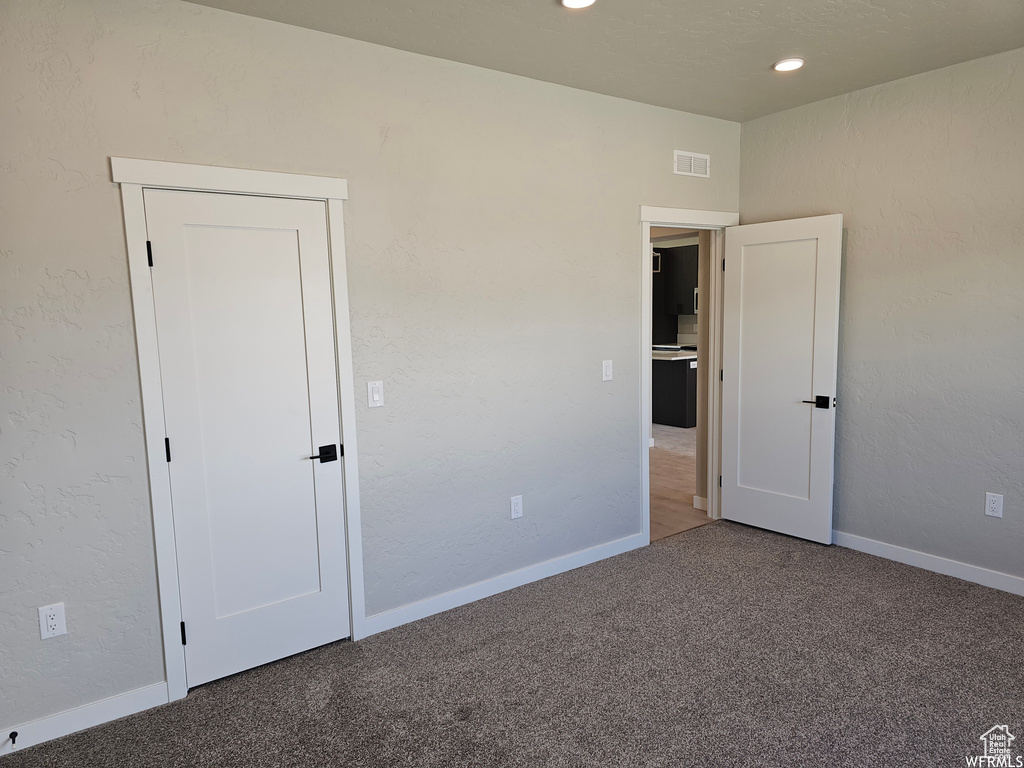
[(183, 642), (149, 252), (719, 481), (721, 374), (167, 448), (723, 265)]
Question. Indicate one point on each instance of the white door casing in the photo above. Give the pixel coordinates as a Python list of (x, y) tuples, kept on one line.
[(244, 316), (779, 349), (715, 221)]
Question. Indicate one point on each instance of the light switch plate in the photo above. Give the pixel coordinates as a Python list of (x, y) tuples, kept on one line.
[(375, 394), (606, 370)]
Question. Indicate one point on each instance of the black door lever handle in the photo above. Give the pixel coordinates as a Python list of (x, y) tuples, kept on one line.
[(819, 401), (327, 453)]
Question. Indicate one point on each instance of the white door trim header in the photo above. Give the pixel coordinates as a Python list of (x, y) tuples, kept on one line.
[(241, 181), (688, 217)]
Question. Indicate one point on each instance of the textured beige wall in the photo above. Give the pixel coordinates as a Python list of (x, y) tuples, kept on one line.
[(493, 245), (929, 174)]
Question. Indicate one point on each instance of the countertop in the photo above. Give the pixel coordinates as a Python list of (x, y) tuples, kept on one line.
[(673, 355)]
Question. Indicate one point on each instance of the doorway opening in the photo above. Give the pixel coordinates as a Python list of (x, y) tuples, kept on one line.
[(678, 442), (771, 351), (680, 348)]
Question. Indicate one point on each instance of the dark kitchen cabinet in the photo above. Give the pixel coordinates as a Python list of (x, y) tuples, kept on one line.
[(679, 275), (664, 326), (674, 393)]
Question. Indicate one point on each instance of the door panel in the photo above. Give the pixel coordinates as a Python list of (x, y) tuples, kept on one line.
[(245, 327), (780, 335), (777, 282), (250, 466)]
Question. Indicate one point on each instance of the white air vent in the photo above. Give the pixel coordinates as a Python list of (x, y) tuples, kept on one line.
[(691, 164)]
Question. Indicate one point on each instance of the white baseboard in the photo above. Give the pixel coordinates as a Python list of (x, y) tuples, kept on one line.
[(699, 502), (482, 589), (83, 717), (129, 703), (124, 704), (965, 571)]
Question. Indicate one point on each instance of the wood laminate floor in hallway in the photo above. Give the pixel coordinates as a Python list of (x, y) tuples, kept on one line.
[(674, 482)]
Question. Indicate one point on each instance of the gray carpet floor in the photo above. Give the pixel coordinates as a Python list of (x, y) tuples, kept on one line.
[(722, 646)]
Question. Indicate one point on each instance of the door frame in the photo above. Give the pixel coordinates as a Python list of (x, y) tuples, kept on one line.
[(716, 222), (134, 176)]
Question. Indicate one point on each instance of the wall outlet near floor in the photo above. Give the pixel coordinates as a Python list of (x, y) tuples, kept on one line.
[(517, 507), (994, 504), (51, 621)]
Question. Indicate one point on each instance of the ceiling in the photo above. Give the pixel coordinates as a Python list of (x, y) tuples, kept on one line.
[(711, 57)]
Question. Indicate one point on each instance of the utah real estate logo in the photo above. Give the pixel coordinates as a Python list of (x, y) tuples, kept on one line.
[(998, 743)]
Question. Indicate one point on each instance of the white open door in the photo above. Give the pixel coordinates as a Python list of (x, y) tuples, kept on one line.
[(245, 328), (779, 352)]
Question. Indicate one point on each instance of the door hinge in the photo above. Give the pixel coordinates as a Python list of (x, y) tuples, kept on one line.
[(723, 265), (183, 641), (719, 481), (167, 448), (149, 252), (721, 374), (341, 449)]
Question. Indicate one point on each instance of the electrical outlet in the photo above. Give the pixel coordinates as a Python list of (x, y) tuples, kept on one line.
[(994, 504), (51, 621), (517, 507)]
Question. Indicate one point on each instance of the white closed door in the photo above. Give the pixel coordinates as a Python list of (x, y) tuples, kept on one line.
[(780, 341), (245, 328)]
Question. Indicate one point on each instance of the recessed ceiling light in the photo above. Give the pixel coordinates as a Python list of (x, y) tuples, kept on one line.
[(788, 65), (577, 3)]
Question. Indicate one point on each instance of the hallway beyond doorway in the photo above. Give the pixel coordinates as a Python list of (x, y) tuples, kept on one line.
[(674, 482)]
